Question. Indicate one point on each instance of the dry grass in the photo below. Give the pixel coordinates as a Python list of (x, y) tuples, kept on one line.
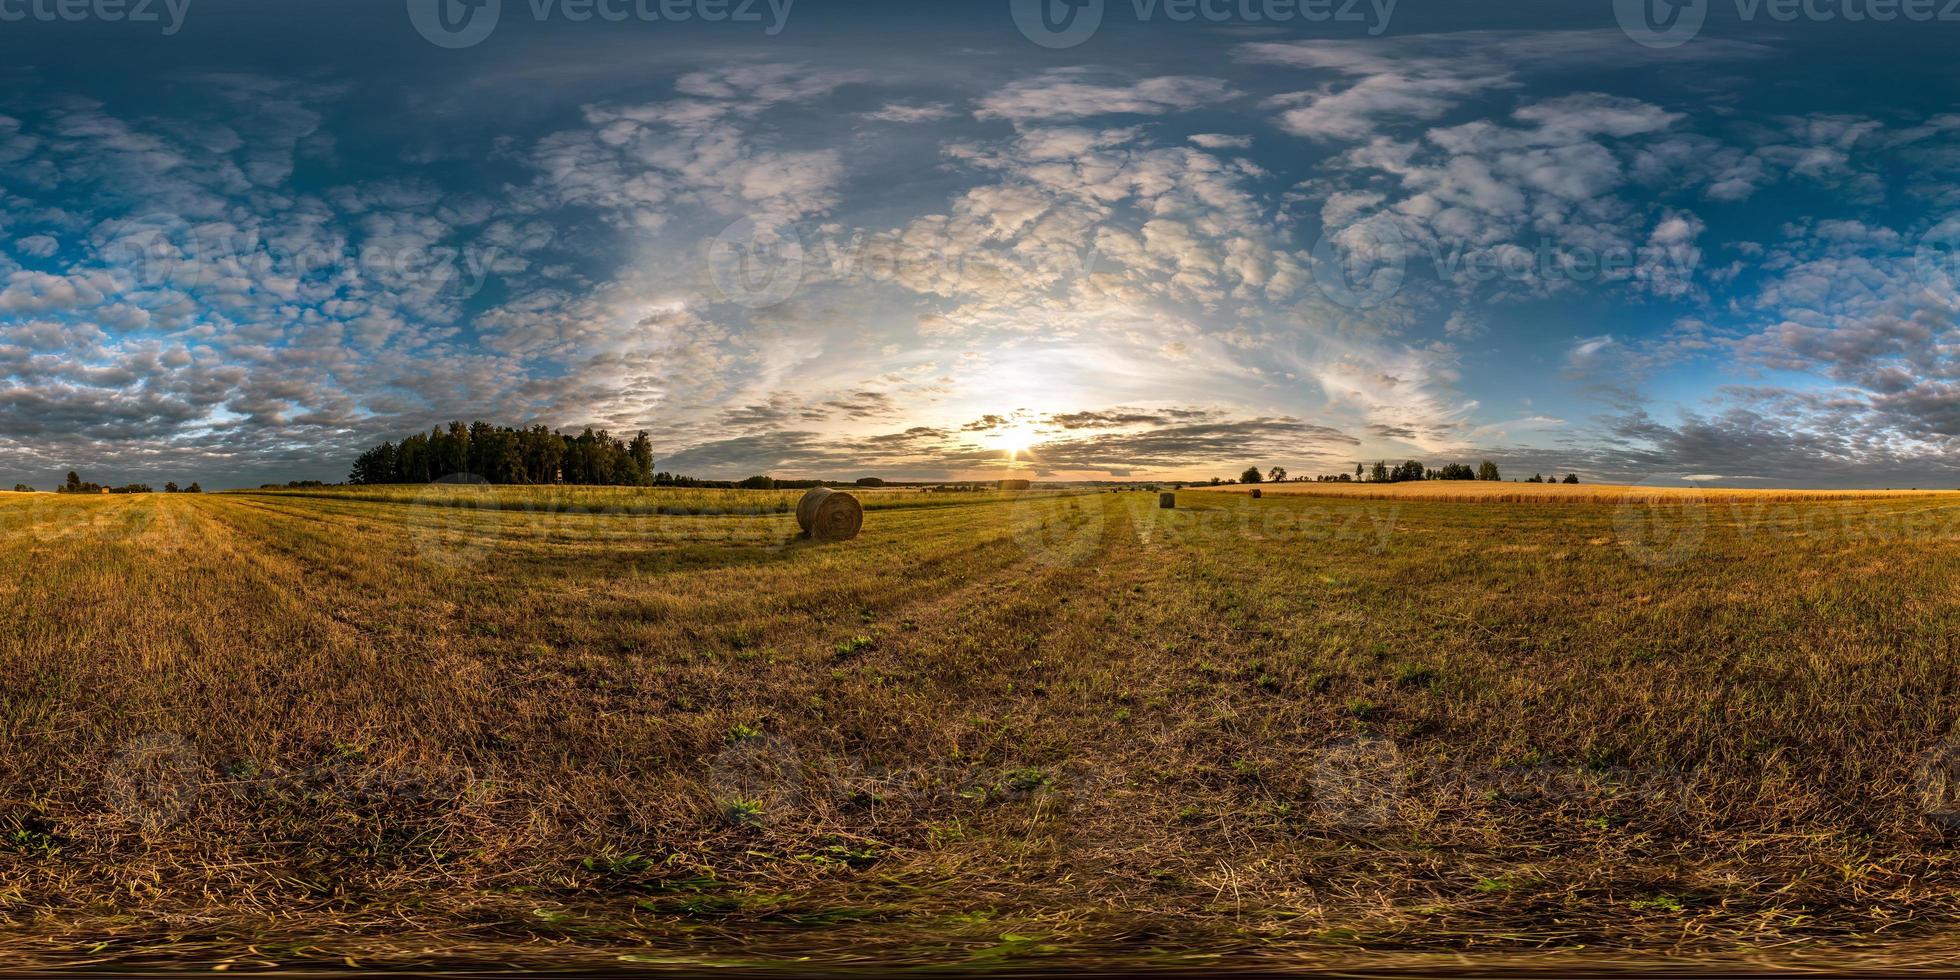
[(283, 728)]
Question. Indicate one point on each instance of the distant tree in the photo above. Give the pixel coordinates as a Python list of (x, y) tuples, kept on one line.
[(1411, 470), (1276, 475), (23, 488), (1216, 481), (757, 483), (870, 481), (1571, 478), (170, 487), (75, 485), (1488, 471), (640, 454), (1251, 475), (1357, 471), (1380, 473), (1535, 478), (193, 488)]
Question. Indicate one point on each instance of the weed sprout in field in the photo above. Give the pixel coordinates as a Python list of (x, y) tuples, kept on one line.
[(757, 778)]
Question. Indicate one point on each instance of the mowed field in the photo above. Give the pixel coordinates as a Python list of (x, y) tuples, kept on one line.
[(652, 728)]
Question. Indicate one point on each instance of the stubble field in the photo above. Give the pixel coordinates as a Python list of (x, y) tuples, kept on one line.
[(652, 728)]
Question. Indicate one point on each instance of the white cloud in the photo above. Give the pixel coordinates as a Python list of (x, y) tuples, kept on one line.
[(897, 112), (1074, 93)]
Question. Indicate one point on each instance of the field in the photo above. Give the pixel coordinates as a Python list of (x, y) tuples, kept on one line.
[(653, 728)]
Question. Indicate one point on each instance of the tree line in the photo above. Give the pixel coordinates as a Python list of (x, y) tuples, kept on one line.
[(507, 454), (75, 484), (1384, 472)]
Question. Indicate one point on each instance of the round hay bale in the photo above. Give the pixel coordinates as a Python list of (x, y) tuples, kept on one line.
[(829, 515), (1167, 501), (1255, 495)]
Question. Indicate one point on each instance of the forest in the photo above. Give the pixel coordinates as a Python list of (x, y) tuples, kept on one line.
[(511, 455)]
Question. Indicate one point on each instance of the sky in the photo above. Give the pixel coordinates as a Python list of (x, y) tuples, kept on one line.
[(1637, 240)]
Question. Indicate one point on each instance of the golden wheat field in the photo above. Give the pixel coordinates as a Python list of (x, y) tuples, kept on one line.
[(652, 731)]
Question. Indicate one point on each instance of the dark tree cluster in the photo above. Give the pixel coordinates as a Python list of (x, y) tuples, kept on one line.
[(75, 484), (502, 454), (1405, 472)]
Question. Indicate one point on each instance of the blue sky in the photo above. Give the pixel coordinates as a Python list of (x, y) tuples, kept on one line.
[(242, 241)]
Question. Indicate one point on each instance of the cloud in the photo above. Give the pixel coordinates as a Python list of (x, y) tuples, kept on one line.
[(1379, 82), (37, 246), (1074, 93), (896, 112), (1118, 442)]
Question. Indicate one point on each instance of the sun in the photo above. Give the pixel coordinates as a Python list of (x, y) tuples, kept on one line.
[(1018, 440)]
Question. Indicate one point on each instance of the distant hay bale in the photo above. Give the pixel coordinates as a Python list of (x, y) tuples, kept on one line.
[(1255, 494), (829, 515), (1167, 501)]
